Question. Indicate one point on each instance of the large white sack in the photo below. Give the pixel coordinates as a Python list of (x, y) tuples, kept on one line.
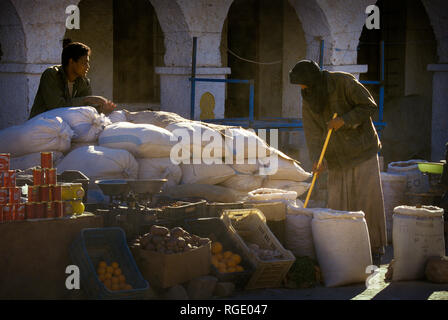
[(85, 122), (205, 173), (342, 244), (36, 135), (298, 232), (264, 194), (117, 116), (157, 118), (246, 168), (418, 234), (76, 145), (288, 185), (211, 193), (394, 189), (209, 143), (160, 168), (286, 169), (417, 182), (245, 144), (100, 163), (243, 182), (142, 140), (33, 160)]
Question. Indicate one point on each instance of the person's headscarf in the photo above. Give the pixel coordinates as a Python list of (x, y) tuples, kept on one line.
[(308, 73)]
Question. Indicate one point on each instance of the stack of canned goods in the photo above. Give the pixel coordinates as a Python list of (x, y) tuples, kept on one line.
[(11, 207), (45, 195)]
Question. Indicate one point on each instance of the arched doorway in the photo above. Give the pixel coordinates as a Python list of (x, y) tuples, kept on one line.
[(410, 45), (126, 47), (13, 82), (270, 33)]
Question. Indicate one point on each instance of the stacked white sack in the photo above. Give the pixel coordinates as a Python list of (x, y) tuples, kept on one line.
[(85, 122), (101, 163), (36, 135), (160, 168), (142, 140), (33, 160)]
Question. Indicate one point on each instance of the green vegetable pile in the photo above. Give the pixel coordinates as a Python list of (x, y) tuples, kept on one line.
[(304, 273)]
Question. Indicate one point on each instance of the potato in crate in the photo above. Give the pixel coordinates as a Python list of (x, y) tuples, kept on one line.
[(107, 267), (272, 261)]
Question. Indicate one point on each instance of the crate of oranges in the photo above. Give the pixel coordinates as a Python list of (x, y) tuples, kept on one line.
[(107, 267), (229, 262)]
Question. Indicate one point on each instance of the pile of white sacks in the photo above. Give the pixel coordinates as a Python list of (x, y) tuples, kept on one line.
[(198, 159)]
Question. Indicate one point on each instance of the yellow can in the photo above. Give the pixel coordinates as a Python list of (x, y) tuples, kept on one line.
[(68, 208), (78, 207), (77, 191), (66, 193)]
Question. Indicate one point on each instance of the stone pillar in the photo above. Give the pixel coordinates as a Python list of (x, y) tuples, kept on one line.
[(439, 136), (175, 89), (354, 69)]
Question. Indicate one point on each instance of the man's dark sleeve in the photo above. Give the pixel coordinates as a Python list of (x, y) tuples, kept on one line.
[(85, 90), (314, 134), (364, 106)]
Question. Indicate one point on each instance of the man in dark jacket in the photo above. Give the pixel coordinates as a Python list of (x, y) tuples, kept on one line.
[(66, 85), (354, 181)]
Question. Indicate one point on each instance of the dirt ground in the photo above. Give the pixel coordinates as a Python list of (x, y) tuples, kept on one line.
[(380, 290)]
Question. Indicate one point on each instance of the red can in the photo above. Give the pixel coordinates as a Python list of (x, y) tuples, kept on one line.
[(30, 210), (9, 178), (33, 194), (8, 212), (4, 161), (39, 210), (49, 210), (1, 213), (50, 176), (38, 177), (4, 196), (2, 181), (59, 209), (46, 160), (20, 212), (56, 192), (44, 193), (14, 195)]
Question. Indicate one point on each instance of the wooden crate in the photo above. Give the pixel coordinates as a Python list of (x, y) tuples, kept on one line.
[(251, 227)]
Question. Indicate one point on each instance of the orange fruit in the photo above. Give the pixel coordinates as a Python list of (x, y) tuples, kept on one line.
[(231, 269), (219, 256), (222, 269), (216, 247), (236, 258), (227, 254), (122, 279), (214, 261), (115, 287), (117, 272), (109, 270), (102, 264), (108, 276), (127, 287), (102, 277), (101, 271), (114, 265), (239, 269), (108, 283), (231, 263), (115, 280)]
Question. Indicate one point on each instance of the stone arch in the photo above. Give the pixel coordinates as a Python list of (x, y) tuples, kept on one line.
[(13, 81)]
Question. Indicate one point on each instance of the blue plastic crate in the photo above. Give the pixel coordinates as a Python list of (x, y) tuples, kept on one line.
[(93, 245)]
